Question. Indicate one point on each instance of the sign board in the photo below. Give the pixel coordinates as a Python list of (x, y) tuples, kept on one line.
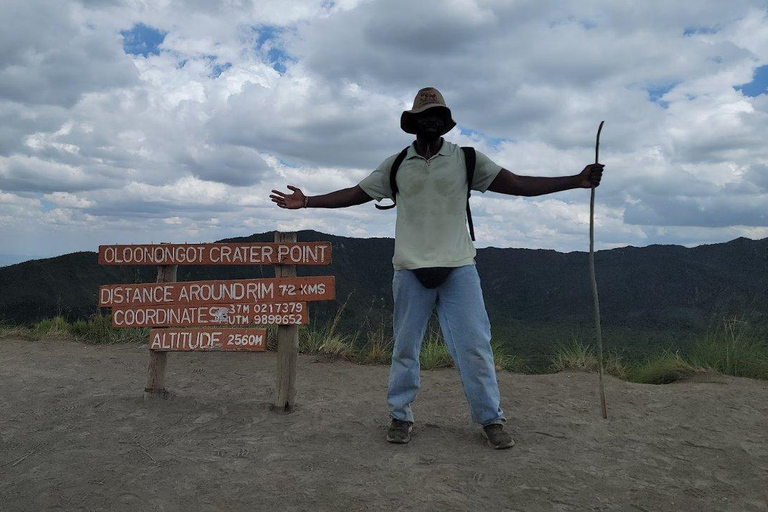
[(264, 313), (212, 307), (305, 253), (240, 291), (207, 339)]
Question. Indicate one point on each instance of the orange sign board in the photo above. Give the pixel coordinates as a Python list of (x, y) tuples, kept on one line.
[(240, 291), (265, 313), (266, 253), (207, 339)]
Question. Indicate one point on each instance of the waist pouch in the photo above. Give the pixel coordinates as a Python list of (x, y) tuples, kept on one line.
[(432, 277)]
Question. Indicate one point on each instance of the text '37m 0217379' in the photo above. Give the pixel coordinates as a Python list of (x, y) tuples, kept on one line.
[(434, 267)]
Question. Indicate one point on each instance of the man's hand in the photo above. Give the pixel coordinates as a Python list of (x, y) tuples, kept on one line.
[(591, 176), (291, 202)]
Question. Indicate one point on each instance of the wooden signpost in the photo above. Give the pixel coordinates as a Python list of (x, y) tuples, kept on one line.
[(202, 316)]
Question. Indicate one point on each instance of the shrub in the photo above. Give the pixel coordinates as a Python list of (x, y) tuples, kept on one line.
[(434, 353), (574, 356), (580, 357), (326, 340), (99, 329), (377, 348), (614, 365), (669, 367), (503, 360), (57, 327), (15, 331), (733, 347)]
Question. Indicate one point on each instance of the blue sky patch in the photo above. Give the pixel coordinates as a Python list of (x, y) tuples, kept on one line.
[(218, 69), (270, 46), (267, 33), (279, 59), (491, 141), (758, 85), (692, 31), (656, 92), (286, 163), (46, 204), (583, 23), (142, 40)]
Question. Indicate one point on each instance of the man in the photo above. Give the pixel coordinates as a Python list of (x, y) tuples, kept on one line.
[(434, 258)]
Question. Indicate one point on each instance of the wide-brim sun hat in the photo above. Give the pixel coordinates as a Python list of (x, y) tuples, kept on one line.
[(426, 99)]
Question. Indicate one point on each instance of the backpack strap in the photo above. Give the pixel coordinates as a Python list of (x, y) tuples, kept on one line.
[(392, 181), (470, 159)]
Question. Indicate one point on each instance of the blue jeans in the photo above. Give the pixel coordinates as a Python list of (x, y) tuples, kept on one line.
[(467, 334)]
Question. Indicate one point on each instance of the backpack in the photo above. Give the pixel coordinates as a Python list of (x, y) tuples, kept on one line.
[(469, 159)]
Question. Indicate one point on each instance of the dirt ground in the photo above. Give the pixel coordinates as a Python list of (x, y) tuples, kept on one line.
[(76, 434)]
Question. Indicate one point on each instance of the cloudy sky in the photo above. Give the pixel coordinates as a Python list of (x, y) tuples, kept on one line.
[(146, 121)]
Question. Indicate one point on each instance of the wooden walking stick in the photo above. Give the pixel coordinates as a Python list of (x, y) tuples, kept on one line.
[(594, 282)]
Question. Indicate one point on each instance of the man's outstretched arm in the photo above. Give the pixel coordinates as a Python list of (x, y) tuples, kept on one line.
[(339, 199), (512, 184)]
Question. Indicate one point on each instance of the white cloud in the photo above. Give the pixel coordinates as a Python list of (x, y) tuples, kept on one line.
[(241, 98), (50, 57), (67, 200)]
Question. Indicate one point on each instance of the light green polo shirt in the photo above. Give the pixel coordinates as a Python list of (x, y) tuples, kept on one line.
[(431, 229)]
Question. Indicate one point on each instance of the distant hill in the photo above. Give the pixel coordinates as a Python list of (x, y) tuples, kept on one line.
[(534, 297), (12, 259)]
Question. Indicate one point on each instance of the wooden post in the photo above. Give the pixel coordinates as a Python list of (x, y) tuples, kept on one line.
[(156, 378), (287, 345)]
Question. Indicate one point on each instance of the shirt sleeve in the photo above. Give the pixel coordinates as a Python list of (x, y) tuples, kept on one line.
[(486, 171), (376, 184)]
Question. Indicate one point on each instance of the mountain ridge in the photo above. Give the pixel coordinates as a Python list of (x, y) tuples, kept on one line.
[(534, 297)]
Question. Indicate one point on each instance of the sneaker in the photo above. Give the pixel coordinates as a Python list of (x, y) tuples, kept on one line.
[(399, 431), (497, 438)]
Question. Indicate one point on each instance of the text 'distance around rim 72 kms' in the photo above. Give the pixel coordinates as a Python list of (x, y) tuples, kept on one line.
[(282, 289)]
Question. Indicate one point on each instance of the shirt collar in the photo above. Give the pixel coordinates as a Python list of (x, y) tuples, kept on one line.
[(445, 150)]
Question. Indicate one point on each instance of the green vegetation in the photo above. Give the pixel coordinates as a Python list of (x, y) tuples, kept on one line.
[(663, 369), (732, 347), (575, 356), (97, 329), (377, 348), (504, 360), (326, 339), (434, 352)]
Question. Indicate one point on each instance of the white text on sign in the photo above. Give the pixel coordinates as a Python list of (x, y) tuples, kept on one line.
[(306, 253), (185, 340), (266, 313), (293, 289)]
